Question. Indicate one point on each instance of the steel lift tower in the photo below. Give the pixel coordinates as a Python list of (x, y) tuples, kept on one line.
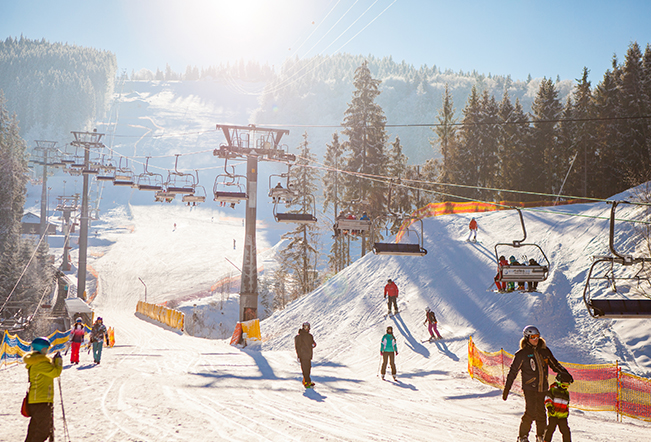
[(254, 144)]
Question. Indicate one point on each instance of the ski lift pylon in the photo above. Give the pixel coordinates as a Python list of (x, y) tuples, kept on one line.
[(625, 278)]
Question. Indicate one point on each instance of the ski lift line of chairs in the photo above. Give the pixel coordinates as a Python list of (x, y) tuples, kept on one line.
[(521, 273), (612, 275), (400, 249), (298, 218)]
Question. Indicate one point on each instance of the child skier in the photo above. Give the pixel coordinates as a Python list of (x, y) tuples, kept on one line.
[(431, 318), (557, 402), (389, 351), (76, 339)]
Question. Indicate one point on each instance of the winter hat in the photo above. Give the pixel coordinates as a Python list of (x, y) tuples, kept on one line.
[(512, 258), (306, 325)]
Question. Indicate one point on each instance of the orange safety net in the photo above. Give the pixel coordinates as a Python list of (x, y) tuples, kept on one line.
[(451, 207), (596, 387)]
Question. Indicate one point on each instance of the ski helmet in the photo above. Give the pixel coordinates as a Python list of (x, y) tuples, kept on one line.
[(390, 329), (39, 344), (427, 309), (306, 325), (530, 330), (564, 378), (78, 320)]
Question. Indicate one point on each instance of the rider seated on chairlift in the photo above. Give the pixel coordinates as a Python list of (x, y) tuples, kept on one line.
[(532, 286), (275, 198), (501, 286), (365, 217), (514, 262)]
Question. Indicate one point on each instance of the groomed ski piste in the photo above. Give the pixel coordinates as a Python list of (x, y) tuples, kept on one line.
[(161, 385)]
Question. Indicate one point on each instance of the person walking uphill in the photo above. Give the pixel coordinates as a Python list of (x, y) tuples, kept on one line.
[(389, 351), (41, 371), (76, 339), (533, 360), (97, 336), (391, 291), (304, 344)]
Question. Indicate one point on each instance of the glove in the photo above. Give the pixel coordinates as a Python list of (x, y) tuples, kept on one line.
[(505, 394), (57, 355), (396, 353), (381, 353)]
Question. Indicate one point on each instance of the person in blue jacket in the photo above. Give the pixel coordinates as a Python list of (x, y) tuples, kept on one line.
[(389, 351)]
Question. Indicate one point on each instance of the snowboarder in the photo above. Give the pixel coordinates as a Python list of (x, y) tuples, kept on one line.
[(388, 351), (76, 339), (473, 230), (391, 291), (304, 344), (42, 370), (533, 360), (501, 286), (431, 319), (557, 402), (97, 336)]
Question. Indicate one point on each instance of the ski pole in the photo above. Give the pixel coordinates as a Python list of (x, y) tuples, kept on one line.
[(66, 433)]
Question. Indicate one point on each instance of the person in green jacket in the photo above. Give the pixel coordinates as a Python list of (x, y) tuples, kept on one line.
[(42, 370), (388, 350)]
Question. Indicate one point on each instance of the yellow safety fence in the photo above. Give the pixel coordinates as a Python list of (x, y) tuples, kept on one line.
[(248, 330), (596, 387), (162, 314)]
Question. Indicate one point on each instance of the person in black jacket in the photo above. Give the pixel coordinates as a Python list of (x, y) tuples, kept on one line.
[(533, 360), (304, 343)]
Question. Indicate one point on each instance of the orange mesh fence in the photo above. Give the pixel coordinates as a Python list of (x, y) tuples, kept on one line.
[(596, 387), (634, 396)]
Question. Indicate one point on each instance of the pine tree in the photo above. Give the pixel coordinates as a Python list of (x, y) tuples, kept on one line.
[(364, 125), (546, 111), (447, 135), (300, 254), (401, 201), (514, 163), (13, 179), (465, 166), (331, 185)]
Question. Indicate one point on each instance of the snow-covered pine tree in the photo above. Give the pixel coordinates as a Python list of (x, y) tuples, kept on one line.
[(513, 152), (401, 199), (447, 136), (364, 125), (301, 254), (607, 139), (331, 184)]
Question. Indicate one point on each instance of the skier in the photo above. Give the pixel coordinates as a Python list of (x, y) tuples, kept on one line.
[(501, 286), (304, 344), (76, 339), (533, 360), (391, 290), (97, 335), (557, 402), (42, 370), (388, 351), (431, 318), (473, 230)]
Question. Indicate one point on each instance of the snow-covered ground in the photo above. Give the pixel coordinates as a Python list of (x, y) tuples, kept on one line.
[(161, 385)]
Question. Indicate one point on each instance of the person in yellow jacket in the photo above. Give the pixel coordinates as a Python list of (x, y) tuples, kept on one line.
[(42, 370)]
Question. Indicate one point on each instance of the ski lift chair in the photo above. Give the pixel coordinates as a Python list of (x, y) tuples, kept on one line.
[(278, 193), (107, 170), (149, 180), (400, 249), (618, 286), (193, 199), (354, 226), (162, 196), (306, 217), (123, 175), (179, 182), (229, 189), (524, 272)]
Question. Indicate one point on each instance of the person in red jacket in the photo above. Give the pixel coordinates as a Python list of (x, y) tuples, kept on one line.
[(473, 230), (391, 291), (501, 286), (76, 339)]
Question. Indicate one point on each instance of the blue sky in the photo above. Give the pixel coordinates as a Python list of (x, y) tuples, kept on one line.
[(519, 38)]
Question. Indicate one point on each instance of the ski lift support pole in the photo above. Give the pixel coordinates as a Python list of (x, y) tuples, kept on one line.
[(254, 143)]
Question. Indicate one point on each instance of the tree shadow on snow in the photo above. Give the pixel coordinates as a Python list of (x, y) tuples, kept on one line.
[(412, 342)]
